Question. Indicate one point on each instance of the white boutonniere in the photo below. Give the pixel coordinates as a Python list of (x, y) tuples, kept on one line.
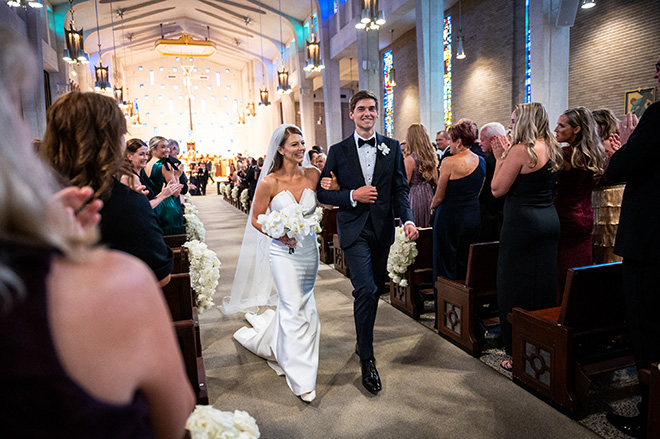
[(384, 149)]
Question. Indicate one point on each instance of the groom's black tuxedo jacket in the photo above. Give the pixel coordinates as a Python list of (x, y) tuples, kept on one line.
[(389, 178)]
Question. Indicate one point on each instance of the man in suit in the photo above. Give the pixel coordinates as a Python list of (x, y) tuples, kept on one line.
[(638, 242), (373, 188), (492, 209), (442, 143)]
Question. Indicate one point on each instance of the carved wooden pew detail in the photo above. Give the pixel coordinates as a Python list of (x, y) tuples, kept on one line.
[(410, 299), (462, 304), (556, 350), (339, 258), (328, 229)]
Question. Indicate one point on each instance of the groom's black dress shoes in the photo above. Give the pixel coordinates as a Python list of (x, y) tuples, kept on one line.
[(634, 426), (370, 378)]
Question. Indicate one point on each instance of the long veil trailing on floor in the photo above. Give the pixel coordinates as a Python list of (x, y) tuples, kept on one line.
[(253, 282)]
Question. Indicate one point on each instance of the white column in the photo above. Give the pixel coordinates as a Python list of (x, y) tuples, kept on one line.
[(331, 90), (369, 61), (429, 20), (550, 54)]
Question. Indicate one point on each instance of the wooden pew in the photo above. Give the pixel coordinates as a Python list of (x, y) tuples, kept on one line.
[(192, 358), (174, 241), (328, 230), (338, 257), (181, 262), (556, 350), (463, 306), (410, 299)]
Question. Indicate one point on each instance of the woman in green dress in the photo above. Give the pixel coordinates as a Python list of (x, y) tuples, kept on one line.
[(161, 172)]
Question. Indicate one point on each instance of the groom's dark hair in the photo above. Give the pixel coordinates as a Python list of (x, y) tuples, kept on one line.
[(357, 97)]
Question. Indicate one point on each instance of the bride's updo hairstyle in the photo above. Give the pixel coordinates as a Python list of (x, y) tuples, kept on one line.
[(278, 160), (83, 140)]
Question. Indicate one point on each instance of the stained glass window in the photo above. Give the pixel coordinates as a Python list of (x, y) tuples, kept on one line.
[(528, 56), (446, 38), (388, 93)]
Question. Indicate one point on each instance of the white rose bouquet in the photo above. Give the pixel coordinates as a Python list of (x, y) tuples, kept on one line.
[(204, 273), (244, 198), (194, 227), (289, 221), (402, 255), (207, 422)]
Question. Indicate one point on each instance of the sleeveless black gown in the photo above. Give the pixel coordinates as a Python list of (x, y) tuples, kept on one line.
[(527, 264)]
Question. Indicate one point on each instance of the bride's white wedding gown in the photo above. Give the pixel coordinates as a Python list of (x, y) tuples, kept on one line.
[(288, 337)]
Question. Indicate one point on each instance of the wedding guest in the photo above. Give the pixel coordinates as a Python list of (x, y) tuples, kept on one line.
[(174, 159), (84, 143), (320, 161), (169, 213), (456, 203), (607, 196), (583, 165), (492, 209), (442, 143), (638, 242), (422, 172), (526, 173), (136, 159), (122, 375)]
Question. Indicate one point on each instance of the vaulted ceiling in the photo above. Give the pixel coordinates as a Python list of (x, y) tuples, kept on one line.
[(235, 26)]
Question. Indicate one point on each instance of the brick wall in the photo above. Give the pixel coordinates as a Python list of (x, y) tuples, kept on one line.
[(488, 82), (614, 48), (406, 92)]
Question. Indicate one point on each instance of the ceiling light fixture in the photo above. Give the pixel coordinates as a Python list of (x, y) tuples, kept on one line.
[(263, 93), (250, 108), (185, 46), (283, 86), (588, 4), (24, 4), (313, 62), (371, 18), (101, 73), (392, 75), (460, 51), (75, 44)]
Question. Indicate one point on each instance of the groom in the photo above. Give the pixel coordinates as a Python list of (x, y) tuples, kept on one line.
[(373, 188)]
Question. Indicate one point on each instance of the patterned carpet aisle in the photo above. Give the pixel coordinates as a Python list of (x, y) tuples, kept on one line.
[(431, 389)]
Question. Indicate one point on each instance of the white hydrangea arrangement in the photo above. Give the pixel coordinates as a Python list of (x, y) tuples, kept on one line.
[(244, 198), (221, 188), (207, 422), (194, 227), (402, 255), (228, 191), (204, 273), (289, 221), (234, 193)]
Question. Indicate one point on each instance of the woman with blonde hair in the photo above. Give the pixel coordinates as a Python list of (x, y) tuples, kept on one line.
[(526, 173), (608, 129), (161, 173), (583, 165), (422, 172), (85, 335)]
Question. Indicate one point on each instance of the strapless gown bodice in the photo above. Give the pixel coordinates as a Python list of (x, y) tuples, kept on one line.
[(288, 337)]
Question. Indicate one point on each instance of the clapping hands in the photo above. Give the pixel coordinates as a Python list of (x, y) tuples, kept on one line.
[(500, 145), (627, 126)]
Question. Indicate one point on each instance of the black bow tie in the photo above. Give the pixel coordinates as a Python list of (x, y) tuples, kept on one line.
[(371, 142)]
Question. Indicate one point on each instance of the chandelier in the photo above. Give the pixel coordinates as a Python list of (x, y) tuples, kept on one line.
[(313, 62), (283, 86), (75, 45), (185, 46), (371, 17), (263, 93), (24, 4)]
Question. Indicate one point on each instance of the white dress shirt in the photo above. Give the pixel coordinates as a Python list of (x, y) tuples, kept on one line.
[(367, 155)]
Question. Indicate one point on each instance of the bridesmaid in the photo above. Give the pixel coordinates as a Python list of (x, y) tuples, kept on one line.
[(583, 165), (422, 172), (526, 173), (170, 217)]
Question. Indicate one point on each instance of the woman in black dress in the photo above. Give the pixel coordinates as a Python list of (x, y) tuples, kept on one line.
[(527, 173), (457, 217)]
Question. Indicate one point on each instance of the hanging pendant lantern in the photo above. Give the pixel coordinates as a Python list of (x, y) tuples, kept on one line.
[(313, 62), (241, 118), (251, 109), (102, 78), (283, 86), (263, 96), (371, 18)]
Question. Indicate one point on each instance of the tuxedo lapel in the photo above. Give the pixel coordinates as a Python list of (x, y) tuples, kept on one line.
[(350, 152), (380, 159)]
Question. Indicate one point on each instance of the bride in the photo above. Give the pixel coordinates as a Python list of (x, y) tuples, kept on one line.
[(288, 337)]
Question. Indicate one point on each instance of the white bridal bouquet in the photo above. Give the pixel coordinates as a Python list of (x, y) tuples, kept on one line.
[(289, 221), (207, 422), (244, 198), (402, 254), (204, 273)]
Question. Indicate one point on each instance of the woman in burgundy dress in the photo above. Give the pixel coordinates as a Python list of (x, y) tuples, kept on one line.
[(584, 162), (422, 172)]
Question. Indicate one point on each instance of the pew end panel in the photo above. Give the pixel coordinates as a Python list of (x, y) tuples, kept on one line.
[(328, 230), (181, 262), (339, 258), (410, 299), (174, 241), (185, 333), (179, 297), (463, 307)]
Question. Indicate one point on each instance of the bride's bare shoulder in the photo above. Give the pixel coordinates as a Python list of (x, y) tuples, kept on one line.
[(313, 174)]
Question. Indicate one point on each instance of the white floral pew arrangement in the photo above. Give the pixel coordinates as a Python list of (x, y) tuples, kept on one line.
[(207, 422), (402, 255)]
